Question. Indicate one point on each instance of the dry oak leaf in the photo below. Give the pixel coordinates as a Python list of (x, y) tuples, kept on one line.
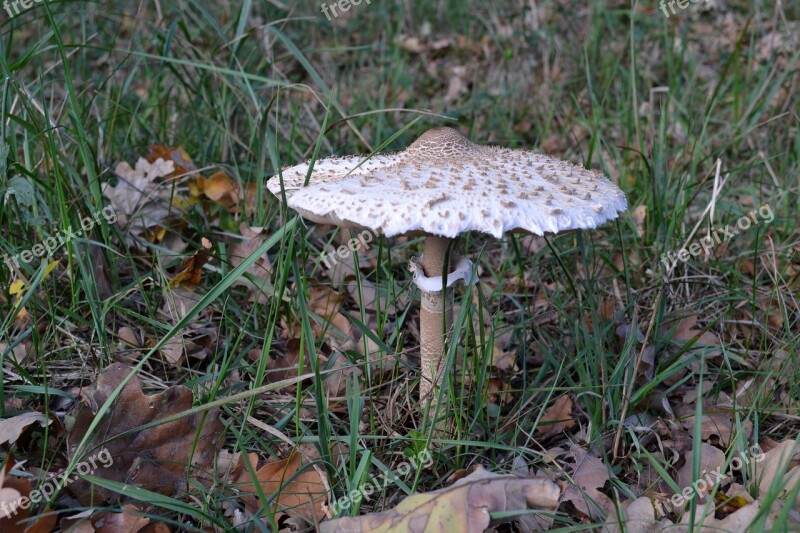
[(685, 333), (300, 492), (195, 341), (12, 428), (139, 201), (15, 504), (712, 459), (777, 463), (220, 188), (503, 360), (589, 474), (464, 506), (231, 465), (718, 427), (557, 418), (192, 268), (180, 159), (281, 366), (259, 287), (639, 516), (156, 458)]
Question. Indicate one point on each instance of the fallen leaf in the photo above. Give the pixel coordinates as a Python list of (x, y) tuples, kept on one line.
[(128, 337), (589, 474), (770, 311), (17, 289), (778, 467), (128, 521), (336, 381), (20, 353), (498, 391), (457, 85), (711, 459), (140, 202), (300, 492), (556, 418), (503, 360), (220, 188), (639, 516), (15, 504), (335, 327), (195, 340), (648, 366), (231, 465), (718, 427), (685, 332), (736, 498), (156, 458), (324, 301), (378, 359), (259, 287), (78, 523), (283, 366), (12, 428), (370, 297), (464, 506), (415, 45), (181, 161), (19, 187), (101, 269), (192, 273), (706, 522), (639, 215)]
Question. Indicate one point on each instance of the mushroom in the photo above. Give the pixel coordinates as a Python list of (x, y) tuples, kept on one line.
[(441, 186)]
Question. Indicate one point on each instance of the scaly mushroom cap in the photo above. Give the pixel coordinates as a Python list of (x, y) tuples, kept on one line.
[(445, 185)]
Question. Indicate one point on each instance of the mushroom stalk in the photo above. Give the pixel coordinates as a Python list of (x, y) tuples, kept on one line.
[(436, 319)]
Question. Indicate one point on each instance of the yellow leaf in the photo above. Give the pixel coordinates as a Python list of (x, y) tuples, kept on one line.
[(50, 267), (218, 186), (16, 287)]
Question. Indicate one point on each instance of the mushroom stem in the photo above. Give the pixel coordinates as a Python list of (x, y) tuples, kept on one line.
[(436, 319)]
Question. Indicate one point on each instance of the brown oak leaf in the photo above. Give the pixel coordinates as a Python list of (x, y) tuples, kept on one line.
[(155, 458)]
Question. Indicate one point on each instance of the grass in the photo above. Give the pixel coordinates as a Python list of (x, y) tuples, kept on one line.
[(253, 86)]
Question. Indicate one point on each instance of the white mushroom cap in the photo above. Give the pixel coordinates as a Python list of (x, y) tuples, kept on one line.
[(445, 185)]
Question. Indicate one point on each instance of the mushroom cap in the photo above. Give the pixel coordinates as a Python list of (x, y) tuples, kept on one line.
[(445, 185)]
